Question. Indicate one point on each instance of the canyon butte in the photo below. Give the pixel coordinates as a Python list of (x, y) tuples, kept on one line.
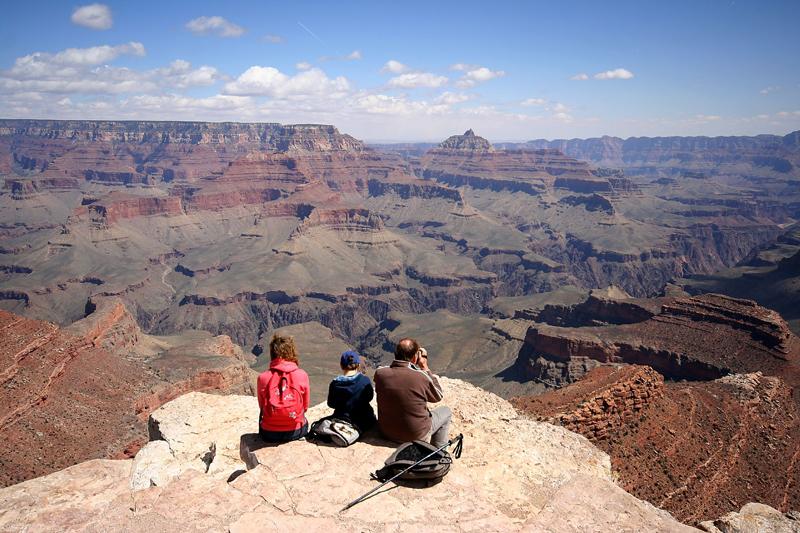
[(641, 292)]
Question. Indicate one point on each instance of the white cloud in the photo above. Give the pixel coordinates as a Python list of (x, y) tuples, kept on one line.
[(179, 103), (302, 65), (413, 80), (481, 110), (95, 16), (394, 67), (381, 104), (269, 81), (86, 71), (69, 64), (274, 39), (216, 25), (474, 75), (43, 63), (770, 89), (529, 102), (557, 110), (180, 75), (355, 55), (580, 77), (449, 98), (616, 74)]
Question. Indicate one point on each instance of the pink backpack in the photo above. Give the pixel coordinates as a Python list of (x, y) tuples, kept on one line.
[(284, 400)]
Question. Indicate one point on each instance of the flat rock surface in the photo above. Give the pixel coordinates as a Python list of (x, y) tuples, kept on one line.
[(514, 474)]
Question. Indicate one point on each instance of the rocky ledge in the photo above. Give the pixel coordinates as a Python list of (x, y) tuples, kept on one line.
[(702, 337), (204, 469), (696, 449)]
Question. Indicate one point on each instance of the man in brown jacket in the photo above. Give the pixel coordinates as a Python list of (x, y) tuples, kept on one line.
[(404, 389)]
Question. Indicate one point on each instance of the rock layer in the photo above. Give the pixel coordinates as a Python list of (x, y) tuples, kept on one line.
[(86, 391), (702, 337), (697, 449)]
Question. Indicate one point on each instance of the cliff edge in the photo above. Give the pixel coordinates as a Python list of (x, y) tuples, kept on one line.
[(204, 469)]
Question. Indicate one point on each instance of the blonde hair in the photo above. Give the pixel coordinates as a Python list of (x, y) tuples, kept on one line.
[(283, 347)]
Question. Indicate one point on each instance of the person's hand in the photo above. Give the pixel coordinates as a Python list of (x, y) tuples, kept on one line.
[(422, 359)]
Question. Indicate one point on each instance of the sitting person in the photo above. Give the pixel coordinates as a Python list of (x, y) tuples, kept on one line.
[(283, 394), (349, 394), (403, 390)]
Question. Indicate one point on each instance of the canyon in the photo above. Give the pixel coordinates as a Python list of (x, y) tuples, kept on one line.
[(85, 391), (637, 292), (709, 423)]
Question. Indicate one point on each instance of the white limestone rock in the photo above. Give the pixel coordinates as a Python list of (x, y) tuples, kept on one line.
[(515, 474), (755, 518), (154, 466)]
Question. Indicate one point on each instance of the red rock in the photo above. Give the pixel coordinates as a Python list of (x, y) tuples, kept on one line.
[(696, 449), (83, 392), (702, 337), (118, 206)]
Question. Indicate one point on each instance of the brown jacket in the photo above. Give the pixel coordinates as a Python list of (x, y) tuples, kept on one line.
[(403, 391)]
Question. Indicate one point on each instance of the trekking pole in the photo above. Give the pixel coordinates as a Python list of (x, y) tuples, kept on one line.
[(457, 453)]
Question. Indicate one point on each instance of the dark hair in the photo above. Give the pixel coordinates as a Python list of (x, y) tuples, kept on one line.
[(282, 347), (406, 349), (354, 366)]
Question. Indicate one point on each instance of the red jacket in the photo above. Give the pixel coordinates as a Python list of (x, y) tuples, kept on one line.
[(298, 379)]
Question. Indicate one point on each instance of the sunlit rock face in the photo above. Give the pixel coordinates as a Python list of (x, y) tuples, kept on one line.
[(207, 469)]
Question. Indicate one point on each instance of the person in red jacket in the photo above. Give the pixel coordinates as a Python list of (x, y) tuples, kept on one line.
[(283, 394)]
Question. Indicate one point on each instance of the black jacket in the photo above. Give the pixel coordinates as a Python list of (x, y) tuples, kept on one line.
[(350, 397)]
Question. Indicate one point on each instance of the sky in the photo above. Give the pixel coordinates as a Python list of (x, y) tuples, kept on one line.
[(412, 71)]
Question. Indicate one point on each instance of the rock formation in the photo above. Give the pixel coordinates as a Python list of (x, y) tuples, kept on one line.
[(697, 449), (515, 474), (703, 337), (469, 141), (82, 392), (769, 275), (471, 160)]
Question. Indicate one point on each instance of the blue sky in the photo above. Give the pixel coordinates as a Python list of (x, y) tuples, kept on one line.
[(412, 71)]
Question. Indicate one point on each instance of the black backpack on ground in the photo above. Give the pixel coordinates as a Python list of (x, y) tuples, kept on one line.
[(428, 472), (336, 431)]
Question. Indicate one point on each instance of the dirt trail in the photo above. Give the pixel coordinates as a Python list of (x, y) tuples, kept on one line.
[(164, 279)]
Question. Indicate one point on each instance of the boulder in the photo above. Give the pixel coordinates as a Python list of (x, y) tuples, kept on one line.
[(755, 518), (154, 466), (203, 431)]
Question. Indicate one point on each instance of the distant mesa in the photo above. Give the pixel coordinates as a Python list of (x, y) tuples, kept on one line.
[(468, 141), (699, 338)]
